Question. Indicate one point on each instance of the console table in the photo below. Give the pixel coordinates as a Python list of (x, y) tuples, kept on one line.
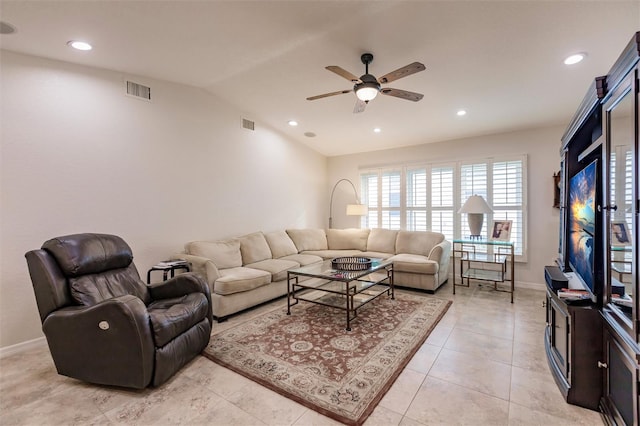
[(484, 260)]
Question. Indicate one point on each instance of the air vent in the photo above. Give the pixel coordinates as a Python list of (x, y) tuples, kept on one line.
[(138, 91), (248, 124)]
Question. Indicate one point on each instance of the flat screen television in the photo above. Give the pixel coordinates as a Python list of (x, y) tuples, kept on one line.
[(582, 224)]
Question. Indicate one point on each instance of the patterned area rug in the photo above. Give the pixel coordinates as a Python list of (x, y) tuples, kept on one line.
[(310, 357)]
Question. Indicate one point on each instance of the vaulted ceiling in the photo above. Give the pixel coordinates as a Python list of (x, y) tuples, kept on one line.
[(501, 61)]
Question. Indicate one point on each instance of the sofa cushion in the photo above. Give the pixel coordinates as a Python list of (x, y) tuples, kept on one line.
[(330, 254), (382, 240), (308, 239), (225, 254), (414, 263), (276, 267), (347, 239), (417, 242), (236, 280), (170, 318), (280, 244), (376, 254), (304, 259), (254, 248)]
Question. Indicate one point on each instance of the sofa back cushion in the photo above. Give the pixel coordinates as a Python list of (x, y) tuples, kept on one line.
[(254, 248), (280, 244), (347, 239), (308, 239), (417, 242), (382, 240), (224, 254)]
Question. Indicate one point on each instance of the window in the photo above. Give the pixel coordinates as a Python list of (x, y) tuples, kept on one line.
[(390, 200), (442, 200), (417, 199), (428, 197)]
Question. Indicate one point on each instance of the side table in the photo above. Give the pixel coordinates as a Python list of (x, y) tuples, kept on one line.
[(168, 266), (495, 263)]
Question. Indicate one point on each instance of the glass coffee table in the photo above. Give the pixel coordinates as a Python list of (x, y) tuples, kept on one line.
[(346, 290)]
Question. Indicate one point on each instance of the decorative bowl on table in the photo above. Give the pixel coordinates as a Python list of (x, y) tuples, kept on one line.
[(351, 263)]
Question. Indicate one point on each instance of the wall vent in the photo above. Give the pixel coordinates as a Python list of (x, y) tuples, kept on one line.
[(248, 124), (138, 90)]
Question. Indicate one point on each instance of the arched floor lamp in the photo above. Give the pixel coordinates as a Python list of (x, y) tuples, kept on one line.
[(357, 209)]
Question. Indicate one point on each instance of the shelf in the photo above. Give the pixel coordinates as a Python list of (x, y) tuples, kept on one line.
[(483, 274), (335, 300), (497, 258)]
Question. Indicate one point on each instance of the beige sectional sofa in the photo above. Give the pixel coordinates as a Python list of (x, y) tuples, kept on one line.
[(245, 271)]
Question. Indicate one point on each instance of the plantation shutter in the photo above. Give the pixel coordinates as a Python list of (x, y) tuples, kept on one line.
[(390, 200), (508, 198), (416, 199), (442, 200), (473, 181), (369, 195)]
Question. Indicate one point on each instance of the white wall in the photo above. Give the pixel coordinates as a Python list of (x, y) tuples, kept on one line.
[(78, 155), (542, 149)]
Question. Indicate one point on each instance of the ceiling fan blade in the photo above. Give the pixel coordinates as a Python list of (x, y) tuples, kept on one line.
[(343, 73), (410, 96), (341, 92), (402, 72), (359, 107)]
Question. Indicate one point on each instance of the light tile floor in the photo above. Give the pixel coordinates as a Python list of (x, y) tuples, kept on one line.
[(484, 364)]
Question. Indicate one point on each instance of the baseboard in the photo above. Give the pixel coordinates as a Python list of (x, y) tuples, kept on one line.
[(518, 284), (23, 346)]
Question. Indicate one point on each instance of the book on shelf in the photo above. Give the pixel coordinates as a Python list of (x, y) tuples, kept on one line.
[(572, 293), (624, 300)]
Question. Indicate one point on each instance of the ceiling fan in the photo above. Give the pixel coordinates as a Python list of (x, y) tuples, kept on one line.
[(367, 86)]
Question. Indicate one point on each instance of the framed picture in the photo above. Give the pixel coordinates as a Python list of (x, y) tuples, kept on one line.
[(620, 235), (501, 230)]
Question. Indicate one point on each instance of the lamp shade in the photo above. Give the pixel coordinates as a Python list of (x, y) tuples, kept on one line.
[(357, 210), (475, 204)]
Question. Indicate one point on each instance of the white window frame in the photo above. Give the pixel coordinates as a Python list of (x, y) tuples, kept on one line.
[(376, 211)]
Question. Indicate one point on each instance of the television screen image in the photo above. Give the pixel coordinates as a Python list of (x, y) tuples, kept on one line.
[(582, 223)]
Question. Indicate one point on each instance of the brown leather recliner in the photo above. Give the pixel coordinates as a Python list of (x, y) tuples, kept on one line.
[(103, 324)]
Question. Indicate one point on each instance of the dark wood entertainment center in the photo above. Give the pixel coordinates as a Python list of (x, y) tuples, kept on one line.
[(593, 344)]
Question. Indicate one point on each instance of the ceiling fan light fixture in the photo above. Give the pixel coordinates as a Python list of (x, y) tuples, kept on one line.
[(367, 91)]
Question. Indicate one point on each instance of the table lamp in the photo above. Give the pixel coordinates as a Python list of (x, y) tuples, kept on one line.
[(475, 207)]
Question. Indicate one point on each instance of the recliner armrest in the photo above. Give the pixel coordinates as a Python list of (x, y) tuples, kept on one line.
[(107, 343), (181, 285)]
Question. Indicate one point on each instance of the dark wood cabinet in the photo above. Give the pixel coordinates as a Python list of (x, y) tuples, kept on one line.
[(593, 349), (621, 354), (621, 373), (573, 342)]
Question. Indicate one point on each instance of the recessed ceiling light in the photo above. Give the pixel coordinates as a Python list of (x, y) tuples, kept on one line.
[(293, 123), (310, 134), (80, 45), (377, 130), (574, 59), (461, 112)]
